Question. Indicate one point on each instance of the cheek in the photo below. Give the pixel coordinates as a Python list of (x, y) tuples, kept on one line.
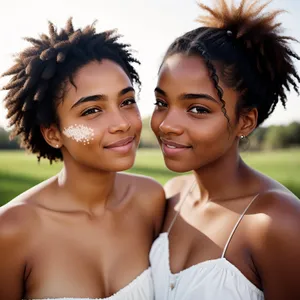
[(211, 134), (138, 126), (155, 122), (79, 133), (135, 120)]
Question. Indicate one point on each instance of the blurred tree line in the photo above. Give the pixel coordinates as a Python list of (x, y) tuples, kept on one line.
[(263, 138), (5, 142), (275, 137)]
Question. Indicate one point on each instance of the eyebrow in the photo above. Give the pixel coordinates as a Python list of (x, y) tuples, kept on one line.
[(101, 97), (160, 91), (126, 90), (197, 96), (188, 96)]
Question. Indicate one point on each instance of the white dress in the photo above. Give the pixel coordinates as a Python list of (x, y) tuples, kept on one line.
[(216, 279)]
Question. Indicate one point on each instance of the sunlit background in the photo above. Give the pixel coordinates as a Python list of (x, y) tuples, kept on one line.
[(149, 26)]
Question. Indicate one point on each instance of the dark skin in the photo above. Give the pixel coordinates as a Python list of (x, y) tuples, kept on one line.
[(194, 135), (86, 232)]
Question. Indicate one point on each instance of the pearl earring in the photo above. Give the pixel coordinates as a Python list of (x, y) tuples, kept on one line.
[(242, 137)]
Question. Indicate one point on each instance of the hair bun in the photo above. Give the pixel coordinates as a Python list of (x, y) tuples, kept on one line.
[(259, 35), (245, 20)]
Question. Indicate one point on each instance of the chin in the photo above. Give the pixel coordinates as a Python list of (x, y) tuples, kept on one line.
[(121, 164), (177, 166)]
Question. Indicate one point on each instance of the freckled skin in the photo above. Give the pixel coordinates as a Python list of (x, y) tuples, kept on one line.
[(87, 232), (79, 133), (110, 120)]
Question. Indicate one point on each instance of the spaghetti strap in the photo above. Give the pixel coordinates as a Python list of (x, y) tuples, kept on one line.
[(183, 200), (236, 226)]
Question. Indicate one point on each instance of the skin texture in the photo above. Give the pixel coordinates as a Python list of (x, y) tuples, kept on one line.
[(86, 232), (266, 245)]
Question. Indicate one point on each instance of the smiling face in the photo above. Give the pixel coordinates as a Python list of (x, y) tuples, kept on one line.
[(100, 124), (188, 120)]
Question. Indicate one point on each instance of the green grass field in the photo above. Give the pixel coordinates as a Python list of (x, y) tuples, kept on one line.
[(20, 171)]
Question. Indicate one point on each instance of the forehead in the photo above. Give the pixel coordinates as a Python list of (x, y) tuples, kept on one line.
[(189, 74), (190, 70), (105, 74)]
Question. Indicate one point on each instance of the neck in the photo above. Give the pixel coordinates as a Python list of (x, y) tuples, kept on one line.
[(223, 179), (85, 187)]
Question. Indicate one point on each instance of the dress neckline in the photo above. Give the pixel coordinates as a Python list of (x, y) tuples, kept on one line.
[(123, 290), (211, 262)]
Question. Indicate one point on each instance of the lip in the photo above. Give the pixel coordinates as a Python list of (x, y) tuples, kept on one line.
[(171, 148), (121, 142), (174, 144), (123, 146)]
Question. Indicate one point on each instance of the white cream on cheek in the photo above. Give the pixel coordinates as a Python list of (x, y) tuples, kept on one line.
[(79, 133)]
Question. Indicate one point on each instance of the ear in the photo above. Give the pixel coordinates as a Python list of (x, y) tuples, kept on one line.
[(247, 122), (52, 135)]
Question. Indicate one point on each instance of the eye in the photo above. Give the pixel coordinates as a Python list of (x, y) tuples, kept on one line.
[(128, 102), (160, 103), (199, 110), (91, 111)]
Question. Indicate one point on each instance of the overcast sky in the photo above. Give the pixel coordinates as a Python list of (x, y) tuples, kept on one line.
[(149, 25)]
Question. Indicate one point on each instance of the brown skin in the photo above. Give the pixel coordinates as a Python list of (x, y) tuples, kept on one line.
[(86, 232), (266, 245)]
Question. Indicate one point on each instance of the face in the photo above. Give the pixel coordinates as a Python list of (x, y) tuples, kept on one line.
[(188, 120), (100, 124)]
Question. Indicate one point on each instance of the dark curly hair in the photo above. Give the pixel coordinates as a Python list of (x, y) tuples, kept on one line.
[(251, 55), (40, 74)]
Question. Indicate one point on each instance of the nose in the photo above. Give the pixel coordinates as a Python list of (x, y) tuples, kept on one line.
[(171, 124), (118, 123)]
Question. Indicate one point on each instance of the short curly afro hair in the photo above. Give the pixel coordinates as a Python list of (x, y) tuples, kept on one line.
[(40, 74)]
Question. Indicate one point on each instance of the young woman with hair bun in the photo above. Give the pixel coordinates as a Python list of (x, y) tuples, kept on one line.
[(230, 233)]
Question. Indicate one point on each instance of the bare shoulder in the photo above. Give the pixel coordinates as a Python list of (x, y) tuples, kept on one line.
[(276, 215), (144, 185), (149, 198), (17, 227), (278, 209), (17, 218), (20, 215), (175, 185), (275, 243)]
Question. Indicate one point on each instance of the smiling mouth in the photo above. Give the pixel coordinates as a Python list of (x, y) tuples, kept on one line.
[(173, 145), (120, 143), (171, 148), (123, 146)]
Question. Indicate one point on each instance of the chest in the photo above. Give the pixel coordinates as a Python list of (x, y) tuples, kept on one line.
[(86, 258), (206, 235)]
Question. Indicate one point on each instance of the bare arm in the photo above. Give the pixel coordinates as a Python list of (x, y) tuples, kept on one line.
[(277, 247), (12, 254)]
